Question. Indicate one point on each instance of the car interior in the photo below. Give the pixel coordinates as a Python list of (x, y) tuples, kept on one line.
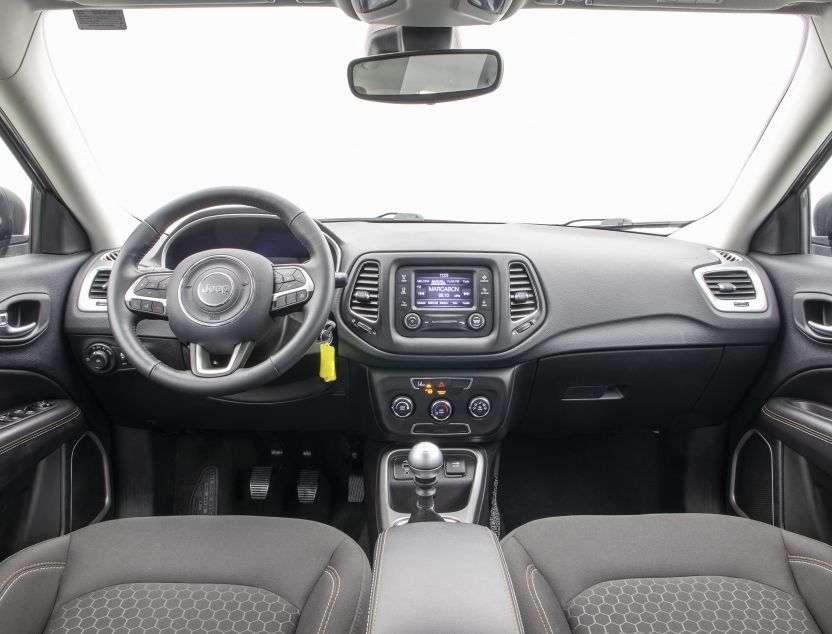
[(415, 316)]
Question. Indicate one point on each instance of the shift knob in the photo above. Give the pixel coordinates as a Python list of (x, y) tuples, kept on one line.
[(424, 459)]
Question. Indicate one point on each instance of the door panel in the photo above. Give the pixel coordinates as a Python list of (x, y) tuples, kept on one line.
[(45, 407), (793, 398)]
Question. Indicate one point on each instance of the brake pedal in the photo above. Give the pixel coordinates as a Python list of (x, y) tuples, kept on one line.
[(308, 485), (258, 485)]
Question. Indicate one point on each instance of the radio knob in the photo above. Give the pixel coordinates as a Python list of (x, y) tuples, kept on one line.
[(441, 410), (402, 406), (412, 321), (476, 321), (479, 407)]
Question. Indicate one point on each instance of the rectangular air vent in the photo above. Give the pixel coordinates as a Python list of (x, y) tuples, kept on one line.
[(731, 284), (522, 296), (98, 288), (364, 298)]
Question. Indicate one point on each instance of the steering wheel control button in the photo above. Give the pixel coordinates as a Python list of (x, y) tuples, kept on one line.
[(412, 321), (441, 410), (291, 287), (479, 407), (402, 406), (476, 321)]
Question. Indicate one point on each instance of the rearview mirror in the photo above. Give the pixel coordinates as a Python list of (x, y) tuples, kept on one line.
[(425, 76)]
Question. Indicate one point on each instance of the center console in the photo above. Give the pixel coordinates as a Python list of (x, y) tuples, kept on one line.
[(441, 577), (431, 543)]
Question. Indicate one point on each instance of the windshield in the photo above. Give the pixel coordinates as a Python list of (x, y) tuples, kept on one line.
[(601, 114)]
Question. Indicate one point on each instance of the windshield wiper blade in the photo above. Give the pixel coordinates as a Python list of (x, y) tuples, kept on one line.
[(623, 224)]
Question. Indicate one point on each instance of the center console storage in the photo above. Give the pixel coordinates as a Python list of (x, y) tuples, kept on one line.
[(441, 577)]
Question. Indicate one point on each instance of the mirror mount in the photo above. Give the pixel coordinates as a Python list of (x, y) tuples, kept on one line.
[(404, 39)]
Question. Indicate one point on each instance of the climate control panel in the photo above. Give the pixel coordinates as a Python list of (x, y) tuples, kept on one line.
[(442, 404)]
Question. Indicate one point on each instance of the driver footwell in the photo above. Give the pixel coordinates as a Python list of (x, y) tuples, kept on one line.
[(279, 475)]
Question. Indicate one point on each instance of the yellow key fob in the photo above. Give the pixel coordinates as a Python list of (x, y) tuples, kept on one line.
[(328, 362)]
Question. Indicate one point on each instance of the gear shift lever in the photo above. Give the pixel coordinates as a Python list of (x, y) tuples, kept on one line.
[(425, 460)]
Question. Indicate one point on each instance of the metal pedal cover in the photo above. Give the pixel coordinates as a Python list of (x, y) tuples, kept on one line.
[(258, 485), (205, 495), (355, 488), (307, 485)]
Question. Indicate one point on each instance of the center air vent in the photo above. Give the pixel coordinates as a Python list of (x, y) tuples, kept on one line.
[(98, 288), (522, 296), (731, 284), (364, 298)]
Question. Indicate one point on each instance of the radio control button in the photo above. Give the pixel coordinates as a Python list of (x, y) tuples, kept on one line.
[(402, 406), (412, 321), (441, 410), (479, 407), (476, 321)]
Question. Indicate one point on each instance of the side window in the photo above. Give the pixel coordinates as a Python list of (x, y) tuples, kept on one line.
[(15, 200), (820, 205)]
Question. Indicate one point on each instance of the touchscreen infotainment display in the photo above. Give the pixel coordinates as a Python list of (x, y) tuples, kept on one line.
[(444, 289)]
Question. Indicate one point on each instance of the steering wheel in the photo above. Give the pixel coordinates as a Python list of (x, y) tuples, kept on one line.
[(221, 302)]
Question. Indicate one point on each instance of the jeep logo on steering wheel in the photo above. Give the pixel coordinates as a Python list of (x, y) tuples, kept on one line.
[(215, 289)]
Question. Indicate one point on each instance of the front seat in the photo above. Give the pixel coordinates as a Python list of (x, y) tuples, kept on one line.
[(668, 573), (188, 574)]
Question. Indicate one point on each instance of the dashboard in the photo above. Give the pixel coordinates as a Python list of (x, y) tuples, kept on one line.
[(469, 330)]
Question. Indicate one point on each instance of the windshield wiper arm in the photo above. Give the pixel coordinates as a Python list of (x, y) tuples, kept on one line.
[(622, 224), (399, 215)]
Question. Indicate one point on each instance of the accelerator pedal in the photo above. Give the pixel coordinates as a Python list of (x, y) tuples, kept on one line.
[(355, 488), (258, 484)]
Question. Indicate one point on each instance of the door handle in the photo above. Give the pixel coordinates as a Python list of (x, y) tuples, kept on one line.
[(821, 329), (23, 318), (9, 331)]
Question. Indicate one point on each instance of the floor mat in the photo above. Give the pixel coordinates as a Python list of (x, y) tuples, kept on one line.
[(593, 475)]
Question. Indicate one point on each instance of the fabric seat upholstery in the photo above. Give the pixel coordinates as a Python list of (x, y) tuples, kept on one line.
[(668, 573), (184, 574)]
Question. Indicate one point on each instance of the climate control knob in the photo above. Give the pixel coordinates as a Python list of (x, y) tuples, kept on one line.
[(402, 406), (479, 407), (441, 410)]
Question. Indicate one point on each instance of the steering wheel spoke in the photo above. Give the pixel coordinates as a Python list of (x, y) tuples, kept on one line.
[(148, 294), (205, 364), (293, 287)]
